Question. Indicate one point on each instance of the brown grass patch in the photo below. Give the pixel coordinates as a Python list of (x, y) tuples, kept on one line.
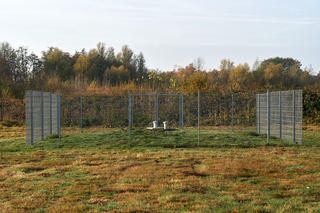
[(194, 189)]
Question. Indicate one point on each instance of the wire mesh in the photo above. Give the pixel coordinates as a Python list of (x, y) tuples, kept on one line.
[(217, 110), (227, 111), (99, 110), (285, 114), (42, 115), (221, 111)]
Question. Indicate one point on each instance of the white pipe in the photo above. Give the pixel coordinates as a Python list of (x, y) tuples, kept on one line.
[(155, 124), (165, 125)]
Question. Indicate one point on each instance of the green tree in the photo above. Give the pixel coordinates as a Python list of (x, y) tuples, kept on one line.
[(7, 62), (141, 66), (127, 59), (97, 63), (59, 63)]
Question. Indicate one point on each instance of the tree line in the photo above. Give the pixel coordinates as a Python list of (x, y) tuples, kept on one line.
[(101, 70), (21, 70)]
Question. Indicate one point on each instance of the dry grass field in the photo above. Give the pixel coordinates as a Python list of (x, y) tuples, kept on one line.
[(161, 172)]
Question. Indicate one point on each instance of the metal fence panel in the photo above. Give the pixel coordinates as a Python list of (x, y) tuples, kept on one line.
[(54, 114), (274, 114), (42, 115), (29, 118), (263, 118), (285, 115), (298, 116), (46, 113), (37, 119)]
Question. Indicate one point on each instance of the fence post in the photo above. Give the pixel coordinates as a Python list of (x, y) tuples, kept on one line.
[(58, 116), (131, 97), (294, 116), (232, 113), (156, 115), (1, 115), (280, 113), (0, 109), (42, 117), (181, 111), (259, 115), (80, 114), (31, 113), (129, 117), (50, 102), (268, 115), (198, 117)]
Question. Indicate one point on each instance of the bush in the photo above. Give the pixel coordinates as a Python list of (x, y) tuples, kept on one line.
[(11, 123), (52, 136)]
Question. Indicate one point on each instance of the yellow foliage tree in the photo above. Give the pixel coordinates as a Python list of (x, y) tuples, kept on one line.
[(81, 67), (272, 74)]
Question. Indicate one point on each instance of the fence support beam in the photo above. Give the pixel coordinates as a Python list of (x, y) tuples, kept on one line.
[(232, 113), (259, 114), (31, 113), (129, 118), (268, 115), (58, 117), (181, 111), (80, 114), (294, 116), (42, 117), (156, 108), (198, 117), (280, 113), (50, 128)]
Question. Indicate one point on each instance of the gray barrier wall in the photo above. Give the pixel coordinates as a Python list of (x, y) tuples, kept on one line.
[(42, 115), (279, 114)]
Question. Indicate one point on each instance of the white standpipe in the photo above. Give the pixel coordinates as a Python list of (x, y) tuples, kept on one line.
[(155, 124), (165, 125)]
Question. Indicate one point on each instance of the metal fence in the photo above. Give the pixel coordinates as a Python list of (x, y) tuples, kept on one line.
[(279, 114), (199, 111), (42, 115), (275, 114), (159, 103), (217, 110)]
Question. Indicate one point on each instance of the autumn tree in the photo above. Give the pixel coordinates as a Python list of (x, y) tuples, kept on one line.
[(116, 75), (225, 68), (272, 75), (240, 77), (289, 74), (81, 67)]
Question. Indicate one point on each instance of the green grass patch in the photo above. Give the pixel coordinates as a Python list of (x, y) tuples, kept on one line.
[(161, 171)]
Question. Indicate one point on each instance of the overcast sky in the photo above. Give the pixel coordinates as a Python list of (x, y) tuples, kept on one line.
[(170, 32)]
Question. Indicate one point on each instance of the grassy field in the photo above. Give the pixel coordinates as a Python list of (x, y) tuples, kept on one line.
[(160, 172)]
